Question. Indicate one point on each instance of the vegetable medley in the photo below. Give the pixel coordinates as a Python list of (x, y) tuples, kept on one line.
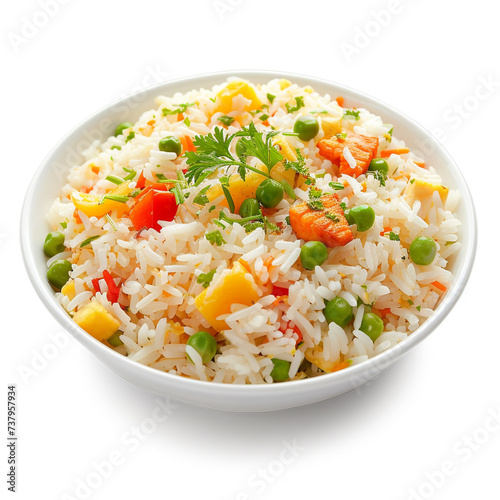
[(253, 168)]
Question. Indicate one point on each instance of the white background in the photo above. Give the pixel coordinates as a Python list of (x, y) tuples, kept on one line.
[(429, 411)]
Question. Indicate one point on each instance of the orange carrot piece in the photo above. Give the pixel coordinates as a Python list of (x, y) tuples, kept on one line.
[(341, 366), (421, 164), (244, 263), (389, 152), (95, 169), (439, 286), (382, 312), (180, 117), (386, 230), (340, 101), (187, 144)]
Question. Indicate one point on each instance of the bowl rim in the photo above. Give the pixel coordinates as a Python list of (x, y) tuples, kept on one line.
[(377, 363)]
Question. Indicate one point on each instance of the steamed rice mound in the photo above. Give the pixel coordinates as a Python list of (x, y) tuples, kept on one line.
[(144, 291)]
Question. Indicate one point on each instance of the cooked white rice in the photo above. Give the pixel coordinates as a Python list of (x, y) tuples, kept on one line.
[(158, 271)]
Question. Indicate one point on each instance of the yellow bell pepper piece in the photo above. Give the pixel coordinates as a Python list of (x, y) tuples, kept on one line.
[(315, 356), (236, 286), (69, 290), (422, 190), (284, 83), (331, 126), (96, 321), (89, 203), (233, 89)]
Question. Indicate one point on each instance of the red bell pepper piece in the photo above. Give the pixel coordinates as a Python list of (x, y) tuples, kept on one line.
[(113, 289), (155, 203), (279, 291), (141, 182), (95, 284), (295, 328)]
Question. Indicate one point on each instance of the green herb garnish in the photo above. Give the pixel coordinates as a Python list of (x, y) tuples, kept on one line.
[(64, 225), (114, 179), (187, 121), (299, 103), (226, 120), (342, 135), (131, 174), (393, 236), (336, 185), (299, 165), (88, 241), (200, 198), (215, 237), (206, 278), (332, 217), (351, 112), (116, 147), (130, 136), (271, 97), (179, 109)]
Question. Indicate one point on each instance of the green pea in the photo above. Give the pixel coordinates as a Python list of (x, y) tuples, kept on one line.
[(423, 250), (312, 254), (170, 144), (379, 165), (280, 370), (270, 193), (307, 127), (54, 244), (372, 325), (204, 344), (58, 273), (249, 208), (362, 215), (123, 126), (338, 311)]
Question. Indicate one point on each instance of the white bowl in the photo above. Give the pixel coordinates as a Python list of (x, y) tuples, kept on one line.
[(50, 177)]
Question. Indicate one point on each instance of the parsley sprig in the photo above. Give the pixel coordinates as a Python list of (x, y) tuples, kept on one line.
[(212, 153)]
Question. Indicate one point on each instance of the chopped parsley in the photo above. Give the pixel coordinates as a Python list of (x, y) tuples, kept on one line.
[(116, 147), (215, 237), (130, 136), (200, 198), (418, 308), (263, 117), (342, 135), (226, 120), (315, 193), (336, 185), (299, 165), (315, 204), (412, 181), (89, 240), (287, 219), (351, 112), (187, 121), (379, 175), (410, 302), (343, 206), (212, 152), (179, 109), (393, 236), (332, 217), (271, 97), (64, 225), (299, 103), (211, 209), (206, 278)]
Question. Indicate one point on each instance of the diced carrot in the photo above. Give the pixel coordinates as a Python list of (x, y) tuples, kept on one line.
[(389, 152), (341, 366), (386, 230), (180, 117), (76, 216), (151, 122), (280, 298), (340, 101), (421, 164), (362, 148), (439, 286), (327, 224), (382, 312), (266, 123), (187, 144), (268, 263), (244, 263)]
